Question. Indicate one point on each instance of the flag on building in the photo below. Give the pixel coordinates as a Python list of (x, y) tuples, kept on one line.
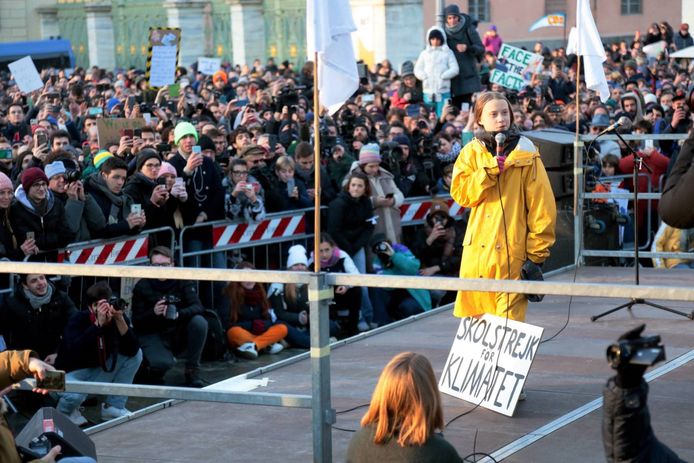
[(584, 40), (550, 20), (329, 26)]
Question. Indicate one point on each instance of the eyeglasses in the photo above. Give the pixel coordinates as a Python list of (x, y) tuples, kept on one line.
[(40, 185), (160, 264), (239, 172), (152, 166)]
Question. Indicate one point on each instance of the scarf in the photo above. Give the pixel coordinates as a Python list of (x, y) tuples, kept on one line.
[(332, 260), (41, 207), (37, 302), (458, 27), (116, 201), (451, 155), (512, 138), (253, 297)]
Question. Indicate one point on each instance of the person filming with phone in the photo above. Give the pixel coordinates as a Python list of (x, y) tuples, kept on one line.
[(244, 194)]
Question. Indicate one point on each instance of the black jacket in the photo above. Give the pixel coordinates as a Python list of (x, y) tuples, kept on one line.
[(50, 229), (140, 188), (348, 222), (119, 225), (674, 206), (327, 193), (37, 329), (436, 254), (205, 191), (277, 198), (80, 346), (147, 293), (626, 427)]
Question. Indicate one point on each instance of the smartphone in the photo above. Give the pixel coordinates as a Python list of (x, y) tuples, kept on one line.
[(390, 195), (54, 380), (6, 153), (136, 209), (95, 111), (465, 108), (367, 98), (178, 181), (131, 102), (127, 133), (290, 186), (30, 235), (41, 138), (137, 133), (197, 149), (174, 90)]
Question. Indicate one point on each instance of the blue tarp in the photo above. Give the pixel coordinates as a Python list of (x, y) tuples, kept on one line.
[(38, 49)]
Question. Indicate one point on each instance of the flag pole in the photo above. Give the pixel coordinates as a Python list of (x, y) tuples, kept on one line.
[(316, 166), (578, 151)]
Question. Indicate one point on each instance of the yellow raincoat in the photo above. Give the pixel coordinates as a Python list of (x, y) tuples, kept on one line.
[(530, 214)]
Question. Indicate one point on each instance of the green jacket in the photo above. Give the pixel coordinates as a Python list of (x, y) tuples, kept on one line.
[(405, 263)]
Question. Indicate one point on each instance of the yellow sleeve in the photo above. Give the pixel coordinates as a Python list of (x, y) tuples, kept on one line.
[(474, 173), (14, 366), (542, 213)]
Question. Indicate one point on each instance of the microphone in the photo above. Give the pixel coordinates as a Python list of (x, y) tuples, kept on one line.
[(500, 139), (623, 121)]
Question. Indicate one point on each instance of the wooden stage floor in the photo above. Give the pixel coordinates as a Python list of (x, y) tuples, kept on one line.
[(566, 377)]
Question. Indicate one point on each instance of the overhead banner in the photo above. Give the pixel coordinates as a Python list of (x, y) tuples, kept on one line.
[(25, 74), (550, 20), (162, 56), (489, 361), (515, 67)]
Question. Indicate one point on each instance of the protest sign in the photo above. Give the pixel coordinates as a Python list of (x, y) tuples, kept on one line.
[(489, 361), (654, 50), (25, 74), (518, 66), (109, 130), (209, 66), (162, 59)]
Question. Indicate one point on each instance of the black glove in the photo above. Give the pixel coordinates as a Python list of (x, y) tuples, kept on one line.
[(629, 375), (532, 272)]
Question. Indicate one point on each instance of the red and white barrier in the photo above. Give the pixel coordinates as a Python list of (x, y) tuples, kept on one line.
[(237, 233), (120, 252), (411, 212)]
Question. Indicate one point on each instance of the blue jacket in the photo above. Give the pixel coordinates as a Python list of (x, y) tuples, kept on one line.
[(404, 262)]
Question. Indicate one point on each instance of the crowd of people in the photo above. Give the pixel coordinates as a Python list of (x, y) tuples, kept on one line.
[(238, 144)]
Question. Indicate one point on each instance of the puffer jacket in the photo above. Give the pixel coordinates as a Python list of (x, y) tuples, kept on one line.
[(436, 66)]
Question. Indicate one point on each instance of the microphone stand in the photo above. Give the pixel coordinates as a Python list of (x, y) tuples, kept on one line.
[(638, 163)]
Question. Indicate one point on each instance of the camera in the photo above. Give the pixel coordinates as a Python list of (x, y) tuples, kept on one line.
[(381, 250), (171, 309), (118, 303), (646, 351), (72, 175), (438, 220)]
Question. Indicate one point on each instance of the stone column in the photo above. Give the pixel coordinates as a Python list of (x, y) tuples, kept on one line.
[(389, 29), (247, 31), (100, 35), (49, 26), (188, 16)]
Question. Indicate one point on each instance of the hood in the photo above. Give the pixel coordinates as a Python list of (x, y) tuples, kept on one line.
[(433, 28), (633, 96), (21, 196)]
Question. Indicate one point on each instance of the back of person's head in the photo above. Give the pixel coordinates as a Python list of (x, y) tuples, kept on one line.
[(96, 292), (405, 404), (303, 150)]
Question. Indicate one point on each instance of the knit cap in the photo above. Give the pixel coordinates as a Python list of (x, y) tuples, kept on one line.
[(297, 255), (144, 155), (101, 157), (252, 150), (167, 168), (5, 182), (183, 129), (55, 168), (31, 176), (219, 75), (438, 207), (369, 153)]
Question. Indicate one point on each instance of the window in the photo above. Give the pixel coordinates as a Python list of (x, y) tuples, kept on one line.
[(479, 9), (631, 6), (555, 6)]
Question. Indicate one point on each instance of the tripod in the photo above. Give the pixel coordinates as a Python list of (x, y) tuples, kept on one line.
[(638, 163)]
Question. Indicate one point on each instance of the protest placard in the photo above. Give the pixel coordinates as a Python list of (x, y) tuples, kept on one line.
[(25, 74), (209, 66), (164, 44), (518, 65), (489, 361), (109, 130)]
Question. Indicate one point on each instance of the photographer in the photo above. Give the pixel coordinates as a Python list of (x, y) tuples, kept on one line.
[(167, 315), (626, 425), (244, 194), (98, 345)]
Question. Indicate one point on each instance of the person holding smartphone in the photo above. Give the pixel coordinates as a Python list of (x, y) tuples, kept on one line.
[(244, 198), (287, 192)]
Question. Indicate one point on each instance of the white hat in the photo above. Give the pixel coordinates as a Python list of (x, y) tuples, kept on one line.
[(297, 255)]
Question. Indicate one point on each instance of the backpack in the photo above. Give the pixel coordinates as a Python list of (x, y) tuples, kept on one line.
[(216, 342)]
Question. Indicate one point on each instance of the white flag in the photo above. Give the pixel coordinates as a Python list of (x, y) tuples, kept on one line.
[(585, 41), (329, 25)]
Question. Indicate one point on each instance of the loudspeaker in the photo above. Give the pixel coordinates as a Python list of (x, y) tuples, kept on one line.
[(48, 428), (556, 147)]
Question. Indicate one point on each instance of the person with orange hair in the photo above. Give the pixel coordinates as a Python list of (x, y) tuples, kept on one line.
[(252, 326), (404, 414)]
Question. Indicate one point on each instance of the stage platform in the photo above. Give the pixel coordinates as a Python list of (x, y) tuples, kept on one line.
[(566, 379)]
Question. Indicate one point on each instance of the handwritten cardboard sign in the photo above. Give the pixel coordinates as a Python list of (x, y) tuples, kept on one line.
[(109, 130), (489, 361), (517, 67)]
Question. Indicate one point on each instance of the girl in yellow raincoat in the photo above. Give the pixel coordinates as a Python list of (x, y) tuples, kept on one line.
[(513, 211)]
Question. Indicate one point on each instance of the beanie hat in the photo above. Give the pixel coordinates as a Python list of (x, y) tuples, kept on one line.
[(144, 155), (183, 129), (630, 64), (297, 255), (206, 143), (435, 34), (369, 153), (5, 182), (55, 168), (112, 103), (101, 157), (650, 98), (219, 75), (402, 140), (31, 176), (167, 168), (407, 69), (438, 207)]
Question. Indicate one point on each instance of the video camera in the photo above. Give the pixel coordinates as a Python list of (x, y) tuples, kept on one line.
[(645, 350), (289, 97)]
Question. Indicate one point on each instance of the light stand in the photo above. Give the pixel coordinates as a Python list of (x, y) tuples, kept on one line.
[(638, 162)]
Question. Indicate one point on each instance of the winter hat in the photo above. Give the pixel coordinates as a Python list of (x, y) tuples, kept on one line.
[(402, 140), (167, 168), (438, 207), (31, 176), (407, 69), (101, 157), (182, 129), (631, 64), (436, 34), (369, 153), (112, 103), (219, 75), (451, 10), (55, 168), (5, 182), (252, 150), (600, 120), (144, 155), (206, 143), (297, 255), (650, 98)]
